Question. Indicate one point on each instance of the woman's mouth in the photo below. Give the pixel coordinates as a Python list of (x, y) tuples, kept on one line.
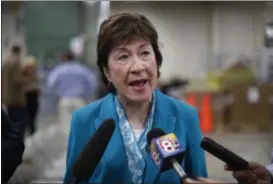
[(138, 84)]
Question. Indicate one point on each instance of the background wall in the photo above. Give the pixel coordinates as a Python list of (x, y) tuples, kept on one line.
[(51, 24), (195, 37), (195, 34)]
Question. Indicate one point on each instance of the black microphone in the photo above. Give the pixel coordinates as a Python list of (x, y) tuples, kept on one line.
[(224, 154), (91, 155), (166, 151)]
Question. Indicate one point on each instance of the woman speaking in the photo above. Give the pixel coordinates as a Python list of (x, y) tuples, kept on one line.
[(129, 60)]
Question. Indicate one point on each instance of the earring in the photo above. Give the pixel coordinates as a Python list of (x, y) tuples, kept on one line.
[(110, 85)]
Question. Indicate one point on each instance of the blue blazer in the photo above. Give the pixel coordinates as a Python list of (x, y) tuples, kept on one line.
[(171, 115)]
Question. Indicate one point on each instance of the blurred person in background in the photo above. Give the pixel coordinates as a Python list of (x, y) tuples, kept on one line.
[(14, 114), (32, 91), (74, 84), (13, 83)]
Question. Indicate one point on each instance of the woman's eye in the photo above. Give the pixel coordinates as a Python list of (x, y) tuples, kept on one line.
[(123, 57), (145, 53)]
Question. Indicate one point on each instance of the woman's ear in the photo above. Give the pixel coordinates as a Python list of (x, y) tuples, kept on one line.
[(106, 73)]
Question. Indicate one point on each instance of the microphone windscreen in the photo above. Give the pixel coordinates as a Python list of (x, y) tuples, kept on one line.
[(91, 155), (224, 154), (154, 133)]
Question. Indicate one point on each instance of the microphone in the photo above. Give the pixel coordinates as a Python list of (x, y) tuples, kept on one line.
[(89, 158), (224, 154), (166, 151)]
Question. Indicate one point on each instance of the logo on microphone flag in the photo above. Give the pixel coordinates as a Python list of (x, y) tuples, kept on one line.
[(155, 155), (164, 148), (168, 144)]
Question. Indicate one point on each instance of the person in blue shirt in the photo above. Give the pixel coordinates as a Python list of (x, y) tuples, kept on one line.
[(129, 59), (74, 84)]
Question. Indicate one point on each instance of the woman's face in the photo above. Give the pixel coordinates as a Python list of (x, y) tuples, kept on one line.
[(132, 69)]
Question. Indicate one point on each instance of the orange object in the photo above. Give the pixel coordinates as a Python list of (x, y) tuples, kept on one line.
[(191, 99), (206, 113)]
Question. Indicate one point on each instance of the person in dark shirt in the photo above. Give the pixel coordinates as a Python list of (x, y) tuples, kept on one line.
[(12, 144)]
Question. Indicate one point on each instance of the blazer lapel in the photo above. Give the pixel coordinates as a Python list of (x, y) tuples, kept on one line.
[(166, 120), (114, 155), (107, 110)]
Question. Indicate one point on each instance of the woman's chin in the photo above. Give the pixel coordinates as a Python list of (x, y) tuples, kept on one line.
[(139, 97)]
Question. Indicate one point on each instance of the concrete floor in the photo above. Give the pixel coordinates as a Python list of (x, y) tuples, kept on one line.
[(47, 150)]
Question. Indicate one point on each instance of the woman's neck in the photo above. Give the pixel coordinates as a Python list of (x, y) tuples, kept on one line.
[(136, 112)]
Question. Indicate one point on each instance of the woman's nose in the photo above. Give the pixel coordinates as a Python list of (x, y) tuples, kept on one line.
[(137, 65)]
